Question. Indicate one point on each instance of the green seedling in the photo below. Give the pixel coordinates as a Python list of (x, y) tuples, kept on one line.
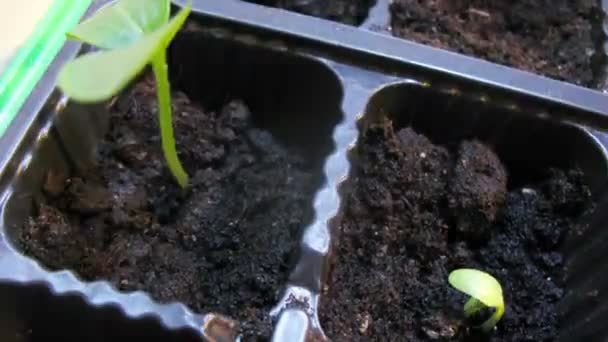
[(130, 34), (484, 291)]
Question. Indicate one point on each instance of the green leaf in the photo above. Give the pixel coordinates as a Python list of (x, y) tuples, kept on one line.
[(481, 287), (98, 76), (122, 23)]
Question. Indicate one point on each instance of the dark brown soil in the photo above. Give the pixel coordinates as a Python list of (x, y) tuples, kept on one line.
[(548, 37), (351, 12), (225, 246), (417, 211)]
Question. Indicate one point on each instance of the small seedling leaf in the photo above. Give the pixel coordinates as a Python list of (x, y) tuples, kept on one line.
[(122, 23), (98, 76), (483, 289)]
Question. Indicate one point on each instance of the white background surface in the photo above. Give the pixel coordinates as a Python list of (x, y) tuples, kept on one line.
[(17, 21)]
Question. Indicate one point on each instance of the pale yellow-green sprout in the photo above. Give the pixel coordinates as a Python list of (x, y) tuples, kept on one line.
[(484, 291)]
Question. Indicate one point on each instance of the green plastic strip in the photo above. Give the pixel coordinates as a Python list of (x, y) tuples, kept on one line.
[(32, 60)]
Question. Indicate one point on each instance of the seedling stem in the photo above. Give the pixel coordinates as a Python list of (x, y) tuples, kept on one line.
[(163, 91)]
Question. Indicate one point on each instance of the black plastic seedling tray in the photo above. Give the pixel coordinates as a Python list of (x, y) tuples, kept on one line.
[(314, 85), (562, 39)]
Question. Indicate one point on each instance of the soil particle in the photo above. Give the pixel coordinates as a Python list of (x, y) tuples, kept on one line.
[(223, 246), (477, 189), (548, 37), (351, 12), (389, 280)]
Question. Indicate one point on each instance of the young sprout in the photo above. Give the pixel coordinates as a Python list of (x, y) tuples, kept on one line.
[(131, 34), (485, 292)]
